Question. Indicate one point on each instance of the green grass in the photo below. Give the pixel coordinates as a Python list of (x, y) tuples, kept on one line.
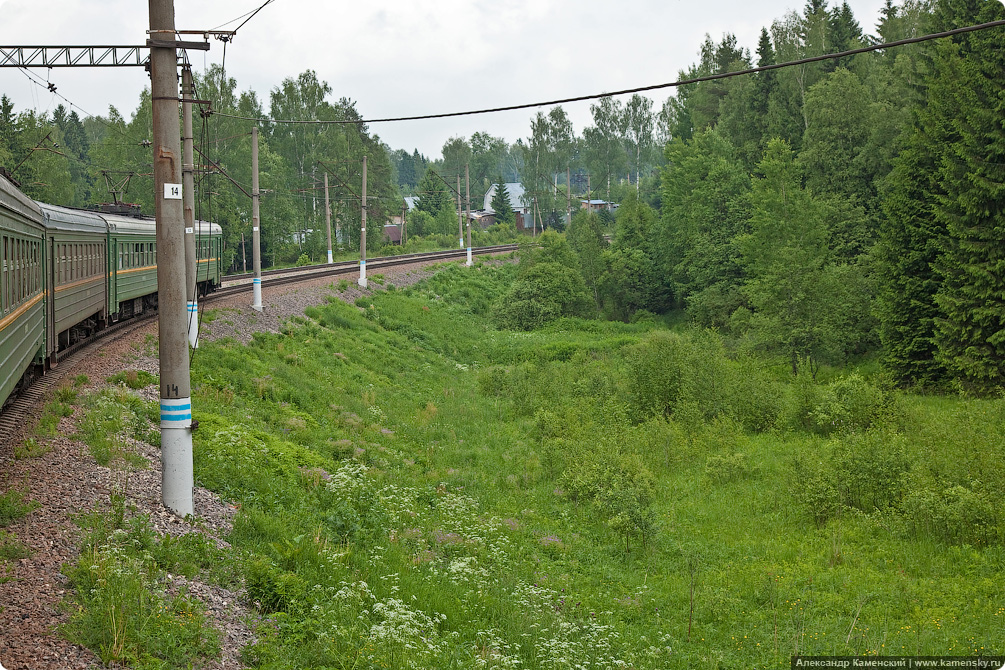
[(112, 415), (134, 379), (13, 507), (121, 607), (31, 448), (418, 487)]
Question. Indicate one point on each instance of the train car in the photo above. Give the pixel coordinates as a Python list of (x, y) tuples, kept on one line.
[(132, 265), (209, 252), (22, 287), (76, 275)]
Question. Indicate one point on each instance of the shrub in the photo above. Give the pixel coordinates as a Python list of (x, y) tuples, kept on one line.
[(303, 260), (542, 293), (671, 373), (955, 515), (866, 472), (724, 469), (621, 488), (847, 404), (871, 470)]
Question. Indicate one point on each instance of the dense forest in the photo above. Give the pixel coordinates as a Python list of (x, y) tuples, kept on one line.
[(820, 212)]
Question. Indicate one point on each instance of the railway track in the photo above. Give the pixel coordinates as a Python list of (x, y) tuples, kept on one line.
[(234, 284), (14, 414)]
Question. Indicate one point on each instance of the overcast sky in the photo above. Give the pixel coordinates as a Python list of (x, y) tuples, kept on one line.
[(404, 58)]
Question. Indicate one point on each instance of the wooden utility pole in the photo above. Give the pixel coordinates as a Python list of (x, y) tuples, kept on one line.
[(404, 220), (467, 202), (256, 236), (188, 193), (328, 220), (362, 233), (175, 389)]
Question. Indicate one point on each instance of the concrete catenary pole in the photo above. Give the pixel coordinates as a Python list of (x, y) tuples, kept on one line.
[(328, 220), (362, 232), (467, 202), (568, 193), (176, 391), (256, 235), (460, 215), (188, 198)]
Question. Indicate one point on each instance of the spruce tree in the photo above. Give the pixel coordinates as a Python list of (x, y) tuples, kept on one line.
[(943, 312), (501, 204), (970, 332)]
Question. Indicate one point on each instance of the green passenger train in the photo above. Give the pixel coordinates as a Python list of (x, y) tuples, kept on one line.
[(68, 273)]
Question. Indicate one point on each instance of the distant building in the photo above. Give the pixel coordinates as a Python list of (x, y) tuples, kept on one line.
[(597, 205), (392, 233), (521, 203)]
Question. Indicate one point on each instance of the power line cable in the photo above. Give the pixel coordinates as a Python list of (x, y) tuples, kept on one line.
[(250, 16), (641, 89)]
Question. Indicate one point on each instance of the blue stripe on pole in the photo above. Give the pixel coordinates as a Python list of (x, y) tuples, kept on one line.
[(176, 412)]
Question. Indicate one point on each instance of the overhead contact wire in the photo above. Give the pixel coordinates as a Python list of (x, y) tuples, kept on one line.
[(642, 89)]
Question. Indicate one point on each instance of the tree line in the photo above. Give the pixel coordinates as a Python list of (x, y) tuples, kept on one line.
[(818, 213)]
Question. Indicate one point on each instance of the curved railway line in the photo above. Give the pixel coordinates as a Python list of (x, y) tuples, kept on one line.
[(14, 415)]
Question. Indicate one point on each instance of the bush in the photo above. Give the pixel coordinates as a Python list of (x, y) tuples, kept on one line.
[(956, 515), (542, 293), (847, 404), (871, 470), (866, 472), (673, 373), (621, 488), (724, 469)]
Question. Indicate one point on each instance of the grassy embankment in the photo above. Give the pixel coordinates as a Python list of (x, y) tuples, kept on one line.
[(418, 489)]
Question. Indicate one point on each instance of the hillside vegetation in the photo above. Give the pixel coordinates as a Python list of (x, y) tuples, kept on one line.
[(418, 489)]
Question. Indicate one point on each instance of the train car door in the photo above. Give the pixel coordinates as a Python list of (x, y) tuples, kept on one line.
[(51, 274)]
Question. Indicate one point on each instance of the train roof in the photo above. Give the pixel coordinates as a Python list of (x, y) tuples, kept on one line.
[(147, 225), (117, 223), (67, 218), (207, 228), (11, 198)]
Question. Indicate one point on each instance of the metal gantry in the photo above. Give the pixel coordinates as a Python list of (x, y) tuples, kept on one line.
[(85, 56)]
